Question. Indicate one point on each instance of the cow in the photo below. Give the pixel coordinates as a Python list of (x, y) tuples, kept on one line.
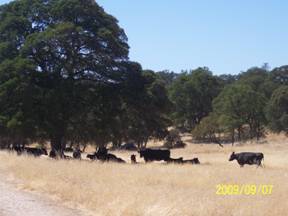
[(113, 158), (175, 160), (103, 155), (67, 157), (68, 149), (35, 151), (77, 154), (52, 154), (18, 149), (155, 154), (133, 159), (102, 151), (92, 156), (249, 158), (192, 161)]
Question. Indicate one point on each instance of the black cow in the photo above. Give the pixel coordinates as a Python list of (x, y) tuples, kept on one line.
[(155, 154), (18, 149), (35, 151), (77, 154), (192, 161), (92, 156), (102, 151), (52, 154), (68, 149), (175, 160), (103, 155), (133, 159), (249, 158), (113, 158), (67, 157)]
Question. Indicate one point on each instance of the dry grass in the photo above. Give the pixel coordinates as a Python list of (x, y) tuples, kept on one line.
[(160, 189)]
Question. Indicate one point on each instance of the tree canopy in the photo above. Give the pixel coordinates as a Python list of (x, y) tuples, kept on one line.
[(65, 75), (277, 110), (192, 94)]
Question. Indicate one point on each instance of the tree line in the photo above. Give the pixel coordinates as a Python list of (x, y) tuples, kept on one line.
[(230, 107), (66, 77)]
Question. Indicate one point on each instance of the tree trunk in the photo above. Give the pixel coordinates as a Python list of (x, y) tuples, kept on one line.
[(258, 131), (232, 136), (145, 143), (251, 132), (239, 134), (57, 144), (71, 144)]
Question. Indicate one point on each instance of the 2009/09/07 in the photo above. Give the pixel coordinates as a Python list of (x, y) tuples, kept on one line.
[(244, 189)]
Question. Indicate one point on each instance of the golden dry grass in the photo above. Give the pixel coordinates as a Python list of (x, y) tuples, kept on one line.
[(160, 189)]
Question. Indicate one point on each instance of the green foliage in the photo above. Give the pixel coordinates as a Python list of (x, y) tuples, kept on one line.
[(280, 75), (277, 110), (208, 129), (168, 77), (259, 79), (192, 95), (239, 105), (147, 117), (173, 140), (65, 76)]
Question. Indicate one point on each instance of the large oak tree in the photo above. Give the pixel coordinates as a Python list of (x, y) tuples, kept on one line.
[(65, 73)]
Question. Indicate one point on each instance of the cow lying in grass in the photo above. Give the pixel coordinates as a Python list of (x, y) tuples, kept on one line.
[(103, 155), (175, 160), (192, 161), (36, 152), (249, 158), (181, 161)]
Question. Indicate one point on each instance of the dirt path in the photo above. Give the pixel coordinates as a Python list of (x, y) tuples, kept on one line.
[(14, 202)]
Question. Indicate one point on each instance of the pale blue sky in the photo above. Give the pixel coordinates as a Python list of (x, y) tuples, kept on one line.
[(226, 36)]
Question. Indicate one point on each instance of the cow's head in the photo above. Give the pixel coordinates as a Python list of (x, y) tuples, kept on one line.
[(133, 158), (196, 161), (232, 157), (44, 151)]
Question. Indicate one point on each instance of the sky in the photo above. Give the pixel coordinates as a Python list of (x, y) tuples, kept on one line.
[(226, 36)]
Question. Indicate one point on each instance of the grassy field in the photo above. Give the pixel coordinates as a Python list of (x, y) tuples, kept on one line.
[(161, 189)]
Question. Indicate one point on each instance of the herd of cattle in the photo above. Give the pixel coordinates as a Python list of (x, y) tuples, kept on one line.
[(149, 155)]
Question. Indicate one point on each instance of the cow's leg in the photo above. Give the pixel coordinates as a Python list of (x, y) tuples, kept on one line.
[(260, 164)]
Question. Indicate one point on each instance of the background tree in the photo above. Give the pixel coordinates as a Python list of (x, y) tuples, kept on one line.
[(209, 130), (259, 80), (192, 95), (148, 117), (279, 75), (168, 77), (277, 110), (239, 105)]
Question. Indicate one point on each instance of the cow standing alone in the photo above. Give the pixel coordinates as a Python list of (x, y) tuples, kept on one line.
[(249, 158)]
